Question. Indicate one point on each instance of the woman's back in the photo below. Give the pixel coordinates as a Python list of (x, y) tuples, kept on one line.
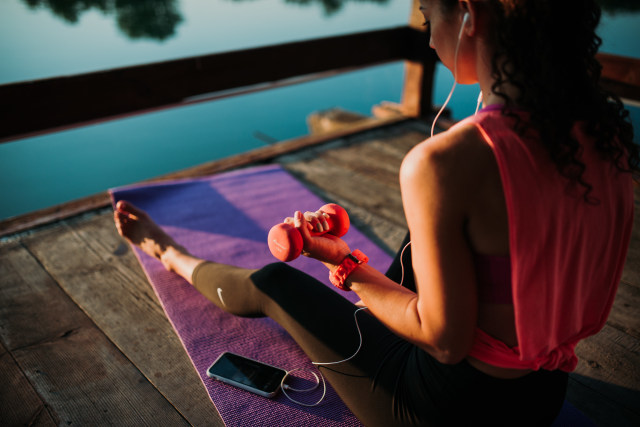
[(565, 269)]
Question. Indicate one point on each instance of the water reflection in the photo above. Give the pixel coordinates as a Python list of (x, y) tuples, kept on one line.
[(158, 19), (330, 6), (150, 19)]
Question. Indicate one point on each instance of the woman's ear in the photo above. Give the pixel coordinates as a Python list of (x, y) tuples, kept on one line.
[(469, 11)]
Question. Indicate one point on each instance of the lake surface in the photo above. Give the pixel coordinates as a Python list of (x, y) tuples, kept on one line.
[(62, 37)]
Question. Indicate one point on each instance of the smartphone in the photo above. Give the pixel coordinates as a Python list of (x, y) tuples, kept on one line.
[(247, 374)]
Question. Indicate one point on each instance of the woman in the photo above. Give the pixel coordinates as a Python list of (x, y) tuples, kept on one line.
[(519, 218)]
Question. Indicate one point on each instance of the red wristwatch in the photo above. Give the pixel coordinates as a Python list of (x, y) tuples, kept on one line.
[(346, 267)]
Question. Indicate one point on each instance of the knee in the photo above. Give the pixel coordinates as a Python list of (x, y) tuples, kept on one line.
[(276, 275), (279, 280)]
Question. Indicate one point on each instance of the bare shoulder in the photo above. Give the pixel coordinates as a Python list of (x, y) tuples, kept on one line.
[(455, 177), (460, 153)]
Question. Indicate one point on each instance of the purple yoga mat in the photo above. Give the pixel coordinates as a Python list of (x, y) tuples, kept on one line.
[(226, 218)]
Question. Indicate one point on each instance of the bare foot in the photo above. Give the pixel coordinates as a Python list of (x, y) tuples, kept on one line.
[(138, 228)]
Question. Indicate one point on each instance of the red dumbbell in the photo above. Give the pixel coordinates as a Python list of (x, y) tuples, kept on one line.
[(285, 241)]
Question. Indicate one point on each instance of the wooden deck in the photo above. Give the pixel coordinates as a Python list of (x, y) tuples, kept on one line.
[(85, 341)]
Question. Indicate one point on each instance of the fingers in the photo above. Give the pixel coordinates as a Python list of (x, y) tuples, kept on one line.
[(318, 221), (290, 220), (321, 246)]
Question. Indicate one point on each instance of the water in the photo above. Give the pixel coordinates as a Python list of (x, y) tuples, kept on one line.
[(50, 169), (38, 43)]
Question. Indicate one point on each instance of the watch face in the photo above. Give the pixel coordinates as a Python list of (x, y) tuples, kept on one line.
[(353, 258), (358, 257)]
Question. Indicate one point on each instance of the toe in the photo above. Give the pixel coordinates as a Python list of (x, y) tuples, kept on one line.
[(130, 208), (121, 205)]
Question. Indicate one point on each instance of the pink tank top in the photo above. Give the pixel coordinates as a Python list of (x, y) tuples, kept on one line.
[(566, 255)]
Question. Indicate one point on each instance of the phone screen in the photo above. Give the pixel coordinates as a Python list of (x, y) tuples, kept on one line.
[(247, 373)]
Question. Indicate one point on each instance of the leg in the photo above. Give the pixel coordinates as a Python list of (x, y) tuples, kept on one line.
[(389, 382), (318, 319), (322, 323)]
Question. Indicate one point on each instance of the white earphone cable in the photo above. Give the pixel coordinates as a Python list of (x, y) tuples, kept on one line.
[(319, 377), (479, 102)]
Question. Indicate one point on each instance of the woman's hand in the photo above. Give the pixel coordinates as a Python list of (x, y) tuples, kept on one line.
[(317, 243)]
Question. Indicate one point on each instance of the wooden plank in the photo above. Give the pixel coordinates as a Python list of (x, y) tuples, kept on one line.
[(341, 169), (609, 368), (35, 106), (101, 274), (346, 186), (19, 403), (380, 158), (613, 357), (624, 315), (386, 234), (80, 375), (26, 287), (368, 163), (89, 382), (32, 220), (631, 272), (370, 160), (598, 407)]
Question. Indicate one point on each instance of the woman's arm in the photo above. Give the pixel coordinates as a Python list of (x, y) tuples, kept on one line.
[(441, 317)]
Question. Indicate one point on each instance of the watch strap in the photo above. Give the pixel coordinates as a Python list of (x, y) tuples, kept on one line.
[(346, 267)]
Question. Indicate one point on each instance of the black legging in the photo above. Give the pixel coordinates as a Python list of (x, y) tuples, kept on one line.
[(390, 382)]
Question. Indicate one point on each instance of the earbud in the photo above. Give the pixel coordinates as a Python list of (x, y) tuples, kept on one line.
[(285, 241), (465, 18)]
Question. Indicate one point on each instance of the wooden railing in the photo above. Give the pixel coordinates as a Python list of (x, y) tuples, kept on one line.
[(621, 75), (32, 107), (39, 106)]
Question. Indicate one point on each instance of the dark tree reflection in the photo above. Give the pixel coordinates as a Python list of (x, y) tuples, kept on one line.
[(155, 19), (332, 6), (69, 10), (152, 19), (158, 19)]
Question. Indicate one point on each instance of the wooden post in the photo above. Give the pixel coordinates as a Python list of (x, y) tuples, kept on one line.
[(418, 83)]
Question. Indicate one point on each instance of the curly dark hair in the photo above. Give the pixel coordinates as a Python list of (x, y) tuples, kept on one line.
[(546, 50)]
